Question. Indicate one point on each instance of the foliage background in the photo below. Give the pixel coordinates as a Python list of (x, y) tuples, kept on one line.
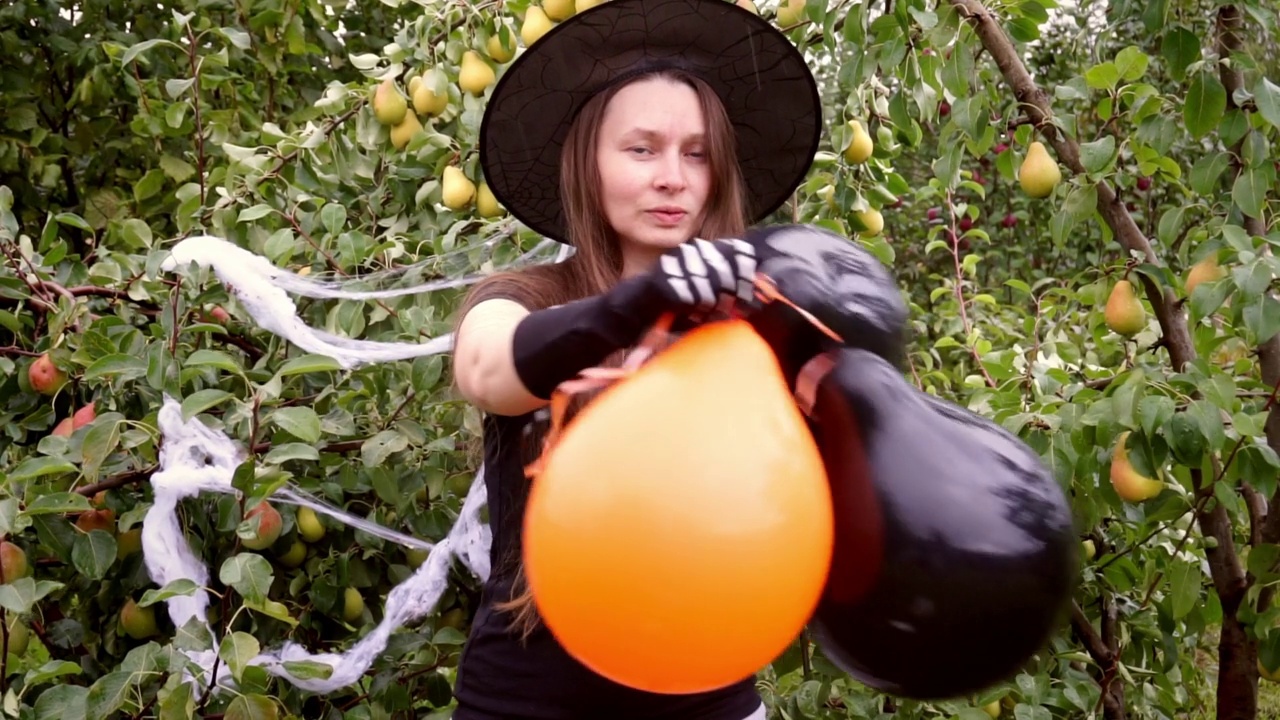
[(128, 125)]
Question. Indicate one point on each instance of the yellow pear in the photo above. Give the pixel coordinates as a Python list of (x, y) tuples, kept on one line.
[(456, 189), (1039, 174), (790, 12), (748, 5), (992, 709), (558, 9), (401, 134), (1129, 485), (860, 146), (497, 51), (872, 220), (475, 75), (1207, 270), (414, 83), (536, 24), (427, 102), (389, 106), (1125, 314), (486, 204), (587, 4)]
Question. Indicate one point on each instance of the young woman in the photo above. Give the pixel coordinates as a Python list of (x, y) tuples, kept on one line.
[(648, 134)]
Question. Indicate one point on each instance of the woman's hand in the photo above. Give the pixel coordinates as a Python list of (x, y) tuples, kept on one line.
[(700, 275)]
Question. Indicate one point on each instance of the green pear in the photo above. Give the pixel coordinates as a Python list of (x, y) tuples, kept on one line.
[(1124, 313), (309, 526), (352, 605), (389, 106), (1039, 174)]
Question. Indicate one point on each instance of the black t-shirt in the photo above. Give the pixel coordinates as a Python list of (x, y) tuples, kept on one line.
[(503, 677)]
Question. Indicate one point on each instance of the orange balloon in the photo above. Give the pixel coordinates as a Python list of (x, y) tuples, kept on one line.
[(680, 533)]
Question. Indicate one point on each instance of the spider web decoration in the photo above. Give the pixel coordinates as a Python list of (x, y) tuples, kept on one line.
[(195, 459)]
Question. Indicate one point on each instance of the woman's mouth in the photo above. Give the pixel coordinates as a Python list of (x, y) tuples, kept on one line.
[(668, 216)]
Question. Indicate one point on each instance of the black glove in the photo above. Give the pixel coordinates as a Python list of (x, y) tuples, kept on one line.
[(555, 344)]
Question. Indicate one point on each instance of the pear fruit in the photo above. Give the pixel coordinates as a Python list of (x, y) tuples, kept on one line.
[(269, 526), (295, 555), (83, 416), (558, 9), (90, 520), (872, 220), (536, 24), (1039, 174), (139, 623), (583, 5), (13, 562), (1088, 549), (45, 377), (475, 74), (401, 134), (499, 52), (860, 146), (1124, 313), (352, 605), (416, 556), (427, 102), (309, 526), (992, 709), (486, 204), (790, 12), (748, 5), (1207, 270), (456, 189), (18, 636), (1129, 485), (128, 542), (64, 428), (415, 82), (389, 106)]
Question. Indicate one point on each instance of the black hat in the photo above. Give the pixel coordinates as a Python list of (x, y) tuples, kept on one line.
[(761, 78)]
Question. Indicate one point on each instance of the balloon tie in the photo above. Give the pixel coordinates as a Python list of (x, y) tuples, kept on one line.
[(767, 291)]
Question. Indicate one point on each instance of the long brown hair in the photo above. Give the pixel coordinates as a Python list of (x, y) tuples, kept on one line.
[(597, 261)]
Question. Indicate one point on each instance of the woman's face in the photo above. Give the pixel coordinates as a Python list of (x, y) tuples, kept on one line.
[(654, 173)]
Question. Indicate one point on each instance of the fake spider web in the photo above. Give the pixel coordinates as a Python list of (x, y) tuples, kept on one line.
[(196, 459)]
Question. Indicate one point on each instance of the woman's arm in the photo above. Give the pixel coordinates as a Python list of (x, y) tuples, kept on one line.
[(484, 359)]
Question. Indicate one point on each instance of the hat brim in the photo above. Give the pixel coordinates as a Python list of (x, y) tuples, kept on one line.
[(763, 81)]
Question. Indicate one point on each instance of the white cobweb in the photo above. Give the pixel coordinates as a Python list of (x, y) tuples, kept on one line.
[(196, 459)]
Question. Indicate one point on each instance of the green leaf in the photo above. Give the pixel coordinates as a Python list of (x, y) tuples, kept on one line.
[(308, 364), (1179, 47), (271, 609), (1207, 170), (1186, 439), (116, 367), (39, 466), (1250, 189), (333, 216), (1267, 96), (1103, 76), (251, 707), (301, 422), (22, 594), (1023, 29), (202, 400), (49, 671), (237, 650), (375, 450), (213, 358), (101, 440), (249, 573), (1097, 155), (179, 587), (254, 213), (1262, 317), (1131, 63), (308, 669), (142, 47), (291, 451), (58, 503), (93, 554), (62, 702), (108, 694), (149, 185), (1185, 579), (1153, 412), (1204, 105)]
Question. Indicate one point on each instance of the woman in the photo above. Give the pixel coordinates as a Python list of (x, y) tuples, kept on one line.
[(630, 131)]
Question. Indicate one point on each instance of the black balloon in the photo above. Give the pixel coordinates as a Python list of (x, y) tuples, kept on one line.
[(955, 554), (836, 280)]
